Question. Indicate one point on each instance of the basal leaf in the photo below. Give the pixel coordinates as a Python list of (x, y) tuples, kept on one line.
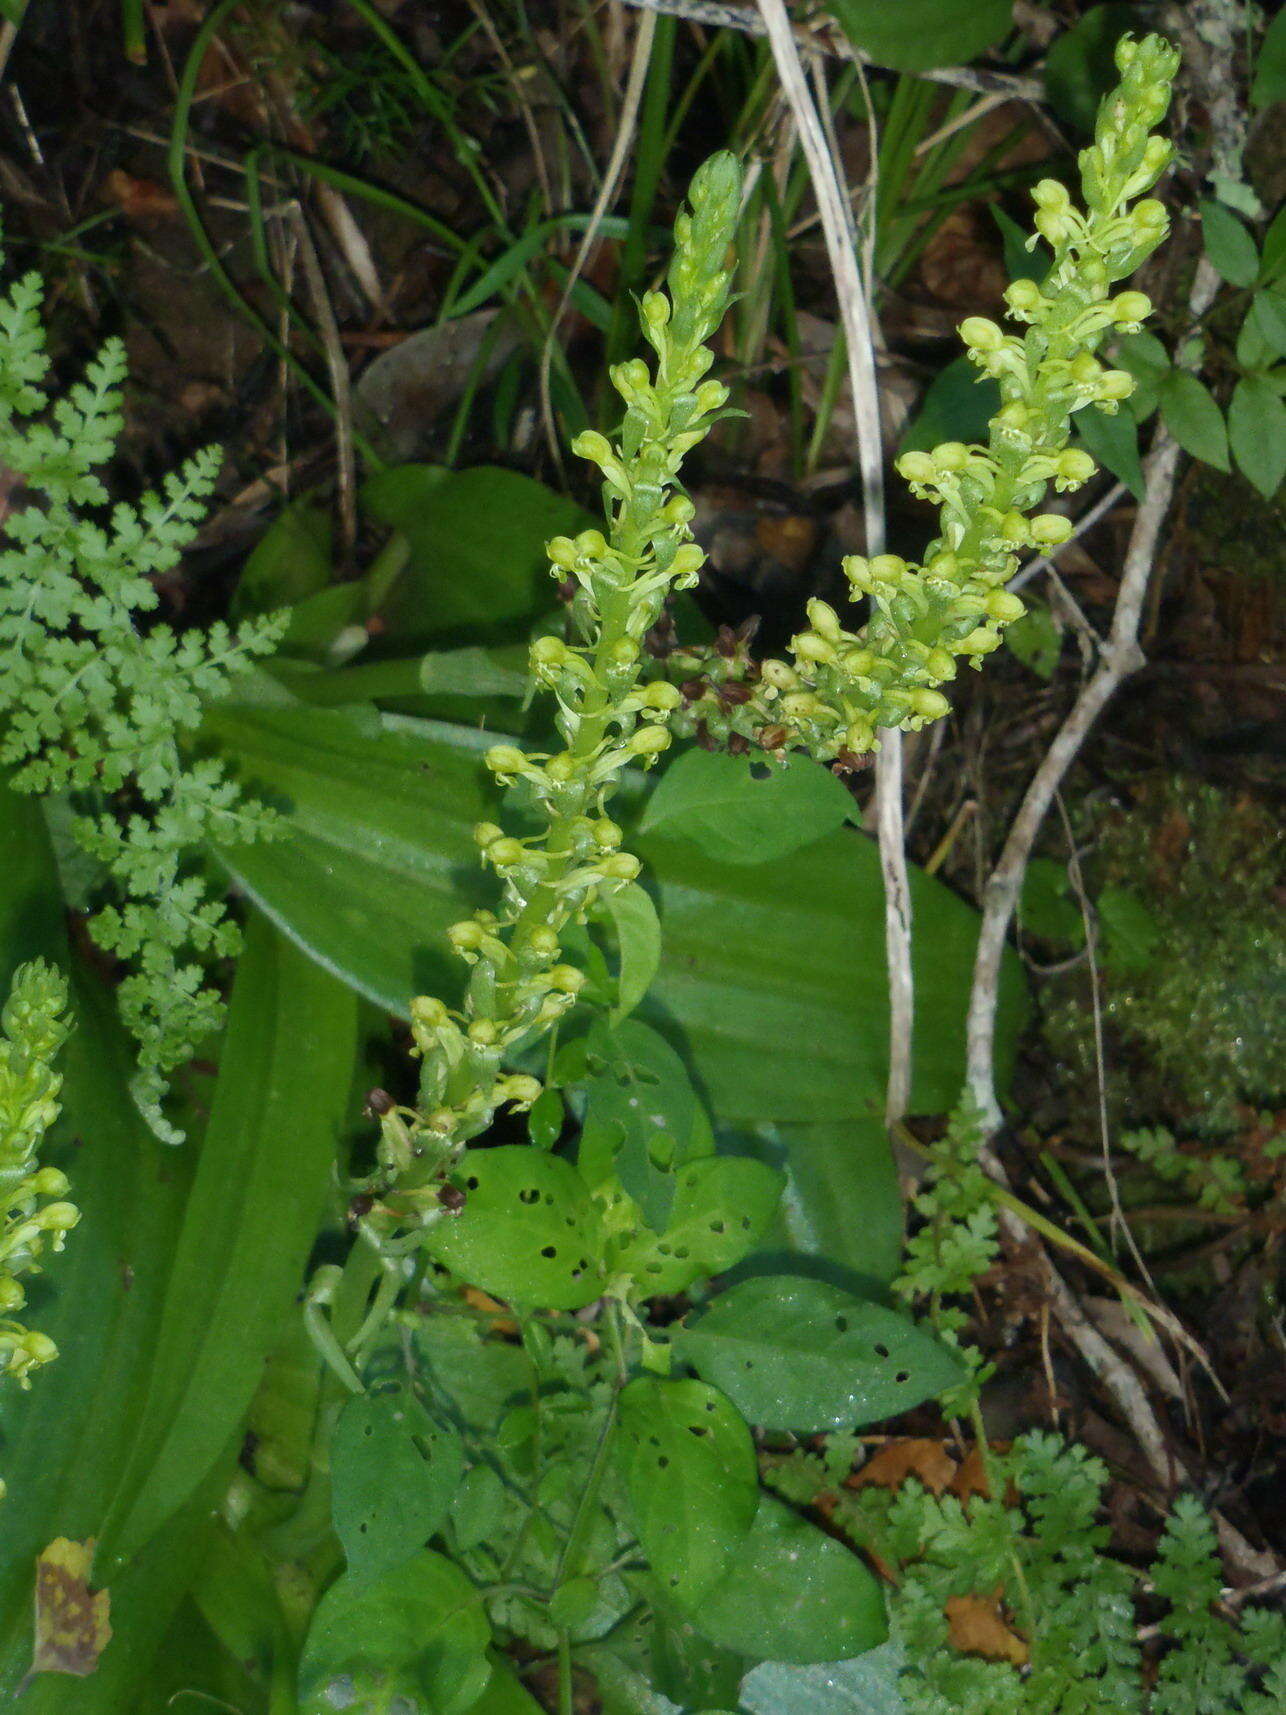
[(1194, 419), (692, 1479), (1231, 249), (250, 1221), (916, 35), (528, 1232), (793, 1595), (803, 1355), (741, 812), (394, 1473), (1257, 432)]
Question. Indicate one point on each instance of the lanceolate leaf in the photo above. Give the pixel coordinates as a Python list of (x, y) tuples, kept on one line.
[(804, 1355), (692, 1479), (63, 1443), (250, 1220), (767, 981)]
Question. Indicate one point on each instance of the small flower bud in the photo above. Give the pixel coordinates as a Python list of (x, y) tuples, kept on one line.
[(483, 1032), (1024, 298), (1075, 467), (979, 334), (620, 866), (649, 741), (503, 759), (623, 653), (678, 511), (1049, 194), (504, 854), (428, 1013), (1004, 607), (916, 467), (809, 647), (566, 979), (486, 834), (562, 552), (687, 562), (662, 695), (466, 937), (589, 444), (951, 456), (548, 652), (860, 736), (979, 642), (1049, 529), (1130, 310), (824, 620), (607, 836), (929, 705), (655, 310), (779, 675), (543, 942), (1115, 385), (888, 569), (517, 1088)]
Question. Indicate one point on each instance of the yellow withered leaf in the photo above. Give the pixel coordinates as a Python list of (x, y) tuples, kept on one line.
[(72, 1625)]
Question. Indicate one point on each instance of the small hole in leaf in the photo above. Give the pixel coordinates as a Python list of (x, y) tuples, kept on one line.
[(760, 771), (529, 1194), (745, 1223), (711, 1406), (902, 1376), (682, 1252), (549, 1250), (472, 1182), (718, 1226), (700, 1429), (881, 1350), (654, 1268), (841, 1324), (548, 1197), (662, 1462)]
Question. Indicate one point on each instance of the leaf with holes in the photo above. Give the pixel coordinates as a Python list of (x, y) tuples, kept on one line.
[(722, 1208), (393, 1475), (528, 1231), (803, 1355), (793, 1594), (642, 1116), (740, 811), (693, 1483), (414, 1641)]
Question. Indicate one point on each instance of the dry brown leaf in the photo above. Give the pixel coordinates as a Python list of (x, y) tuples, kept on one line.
[(138, 199), (971, 1478), (918, 1457), (72, 1627), (977, 1627)]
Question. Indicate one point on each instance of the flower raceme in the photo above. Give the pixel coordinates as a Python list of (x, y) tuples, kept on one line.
[(34, 1213), (840, 686)]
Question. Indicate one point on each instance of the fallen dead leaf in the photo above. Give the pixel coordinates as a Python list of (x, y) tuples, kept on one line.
[(138, 199), (918, 1457), (976, 1626), (72, 1627)]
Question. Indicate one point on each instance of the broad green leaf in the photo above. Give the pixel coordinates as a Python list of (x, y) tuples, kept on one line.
[(642, 1118), (1257, 433), (1131, 934), (1144, 357), (478, 1509), (958, 405), (1272, 256), (1020, 264), (689, 1668), (1114, 442), (250, 1222), (473, 672), (801, 1354), (916, 35), (1270, 65), (471, 1380), (1231, 249), (413, 1643), (64, 1441), (722, 1207), (770, 985), (1036, 640), (692, 1479), (393, 1475), (842, 1200), (1268, 314), (1194, 419), (528, 1232), (291, 561), (477, 547), (1046, 908), (1080, 67), (866, 1685), (743, 812), (638, 936), (794, 1594)]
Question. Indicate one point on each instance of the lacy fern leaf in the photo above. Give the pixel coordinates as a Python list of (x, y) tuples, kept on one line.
[(102, 710)]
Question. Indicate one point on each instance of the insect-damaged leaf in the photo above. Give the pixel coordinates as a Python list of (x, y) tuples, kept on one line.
[(529, 1231), (803, 1355), (722, 1207), (394, 1473), (690, 1472)]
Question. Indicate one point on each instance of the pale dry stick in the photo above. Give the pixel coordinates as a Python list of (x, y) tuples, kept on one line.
[(621, 144), (859, 338), (1120, 657), (829, 42), (340, 382)]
